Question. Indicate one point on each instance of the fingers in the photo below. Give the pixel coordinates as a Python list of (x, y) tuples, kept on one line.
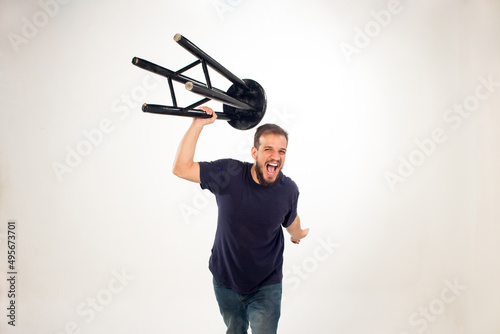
[(209, 111), (214, 115), (206, 109)]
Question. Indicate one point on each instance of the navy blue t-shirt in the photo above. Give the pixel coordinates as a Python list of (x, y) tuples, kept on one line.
[(249, 243)]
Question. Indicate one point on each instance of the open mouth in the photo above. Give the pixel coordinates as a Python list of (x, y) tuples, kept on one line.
[(271, 168), (269, 174)]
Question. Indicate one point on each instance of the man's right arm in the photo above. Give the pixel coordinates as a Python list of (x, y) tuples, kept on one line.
[(184, 165)]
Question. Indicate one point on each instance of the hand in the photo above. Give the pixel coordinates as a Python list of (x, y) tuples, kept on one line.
[(205, 121), (302, 235)]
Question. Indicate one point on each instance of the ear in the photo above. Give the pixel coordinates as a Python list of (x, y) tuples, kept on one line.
[(254, 153)]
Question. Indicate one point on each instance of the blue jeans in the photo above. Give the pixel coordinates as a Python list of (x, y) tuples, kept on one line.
[(261, 310)]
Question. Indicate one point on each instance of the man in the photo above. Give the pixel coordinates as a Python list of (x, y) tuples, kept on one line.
[(254, 201)]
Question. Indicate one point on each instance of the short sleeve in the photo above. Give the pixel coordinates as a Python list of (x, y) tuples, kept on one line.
[(215, 175), (292, 214)]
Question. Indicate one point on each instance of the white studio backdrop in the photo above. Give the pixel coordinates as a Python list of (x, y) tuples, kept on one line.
[(392, 109)]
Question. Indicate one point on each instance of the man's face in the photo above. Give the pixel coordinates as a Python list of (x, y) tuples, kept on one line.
[(269, 158)]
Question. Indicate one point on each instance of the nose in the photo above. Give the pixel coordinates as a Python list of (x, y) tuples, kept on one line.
[(275, 156)]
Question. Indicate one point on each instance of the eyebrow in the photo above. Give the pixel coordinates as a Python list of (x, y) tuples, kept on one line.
[(281, 149)]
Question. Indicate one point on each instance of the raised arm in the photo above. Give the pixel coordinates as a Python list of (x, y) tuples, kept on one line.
[(184, 165), (296, 232)]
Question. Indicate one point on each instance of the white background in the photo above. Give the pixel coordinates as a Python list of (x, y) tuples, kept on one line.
[(404, 232)]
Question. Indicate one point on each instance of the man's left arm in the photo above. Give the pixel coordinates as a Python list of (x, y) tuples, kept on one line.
[(296, 232)]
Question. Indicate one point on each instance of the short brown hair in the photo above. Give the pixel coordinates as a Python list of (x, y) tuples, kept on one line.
[(267, 129)]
